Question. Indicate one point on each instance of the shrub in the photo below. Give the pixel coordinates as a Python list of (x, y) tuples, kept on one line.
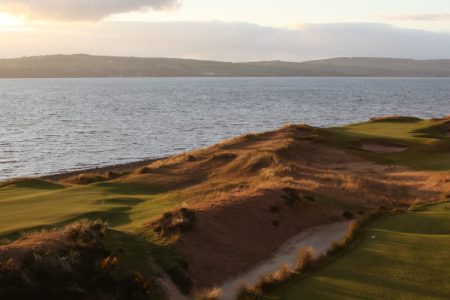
[(350, 235), (208, 294), (269, 281), (88, 178), (85, 231), (305, 259), (250, 293), (172, 223), (71, 263)]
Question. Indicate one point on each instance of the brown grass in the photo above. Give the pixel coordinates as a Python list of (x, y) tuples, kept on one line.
[(250, 292), (68, 263), (266, 284), (305, 259), (92, 177), (208, 294), (232, 185)]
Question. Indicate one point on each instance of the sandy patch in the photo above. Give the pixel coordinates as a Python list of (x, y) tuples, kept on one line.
[(319, 238), (382, 147)]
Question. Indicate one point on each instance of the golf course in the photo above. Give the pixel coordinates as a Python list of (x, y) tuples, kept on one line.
[(206, 216)]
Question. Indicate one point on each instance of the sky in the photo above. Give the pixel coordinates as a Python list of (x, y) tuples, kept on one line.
[(229, 30)]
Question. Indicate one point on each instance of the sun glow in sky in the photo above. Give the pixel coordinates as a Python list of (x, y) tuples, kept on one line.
[(10, 21), (227, 29)]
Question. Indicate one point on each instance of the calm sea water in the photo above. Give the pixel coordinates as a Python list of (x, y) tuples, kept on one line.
[(53, 125)]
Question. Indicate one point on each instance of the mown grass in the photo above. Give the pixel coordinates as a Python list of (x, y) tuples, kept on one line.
[(428, 148), (401, 256), (124, 205)]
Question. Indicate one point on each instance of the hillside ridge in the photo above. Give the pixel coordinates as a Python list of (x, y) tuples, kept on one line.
[(83, 65)]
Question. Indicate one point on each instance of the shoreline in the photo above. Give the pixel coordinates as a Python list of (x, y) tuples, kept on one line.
[(101, 169)]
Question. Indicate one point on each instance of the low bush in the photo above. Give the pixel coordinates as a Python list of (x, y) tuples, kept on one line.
[(88, 178), (250, 293), (69, 264), (208, 294), (175, 222), (305, 259)]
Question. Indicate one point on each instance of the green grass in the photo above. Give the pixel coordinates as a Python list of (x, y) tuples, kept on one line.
[(402, 256), (30, 206), (27, 205), (124, 205), (428, 149)]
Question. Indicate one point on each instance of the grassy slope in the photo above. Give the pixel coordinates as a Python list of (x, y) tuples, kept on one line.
[(402, 256), (428, 146), (25, 206), (127, 204), (36, 205)]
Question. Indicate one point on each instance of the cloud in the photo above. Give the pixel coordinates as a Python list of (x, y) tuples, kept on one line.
[(418, 17), (228, 41), (79, 10)]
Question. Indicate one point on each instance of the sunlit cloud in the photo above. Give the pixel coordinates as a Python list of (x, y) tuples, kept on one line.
[(418, 17), (80, 10)]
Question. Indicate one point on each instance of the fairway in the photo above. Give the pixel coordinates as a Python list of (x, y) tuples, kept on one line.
[(402, 256), (36, 204)]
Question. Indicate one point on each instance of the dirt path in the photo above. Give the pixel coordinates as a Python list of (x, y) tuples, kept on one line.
[(319, 238)]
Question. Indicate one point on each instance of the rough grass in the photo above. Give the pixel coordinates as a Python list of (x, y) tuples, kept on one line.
[(208, 294), (70, 263), (401, 256), (258, 166)]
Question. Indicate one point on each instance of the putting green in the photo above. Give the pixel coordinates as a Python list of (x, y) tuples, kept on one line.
[(428, 145)]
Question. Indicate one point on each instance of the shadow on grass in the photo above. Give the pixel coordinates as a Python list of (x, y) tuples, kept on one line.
[(30, 183), (129, 188), (115, 216), (138, 252)]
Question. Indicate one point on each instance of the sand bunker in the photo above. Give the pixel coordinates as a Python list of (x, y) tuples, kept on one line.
[(382, 147), (319, 238)]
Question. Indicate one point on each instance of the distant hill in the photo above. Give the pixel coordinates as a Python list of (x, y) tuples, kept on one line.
[(81, 65)]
